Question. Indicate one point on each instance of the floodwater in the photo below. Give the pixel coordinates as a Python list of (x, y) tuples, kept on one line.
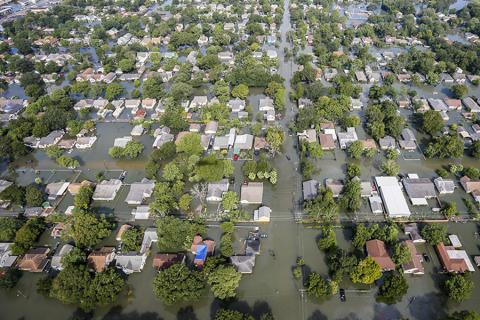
[(271, 286)]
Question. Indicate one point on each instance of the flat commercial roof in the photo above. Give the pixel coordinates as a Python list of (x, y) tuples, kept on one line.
[(393, 199)]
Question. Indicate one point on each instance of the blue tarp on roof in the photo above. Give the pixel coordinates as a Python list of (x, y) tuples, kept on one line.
[(201, 252)]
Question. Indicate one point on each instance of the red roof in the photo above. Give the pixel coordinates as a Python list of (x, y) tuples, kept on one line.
[(451, 265), (378, 251)]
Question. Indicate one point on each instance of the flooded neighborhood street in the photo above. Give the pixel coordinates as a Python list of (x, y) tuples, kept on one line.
[(310, 112)]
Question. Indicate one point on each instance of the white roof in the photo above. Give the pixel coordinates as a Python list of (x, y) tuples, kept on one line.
[(392, 196), (461, 255), (455, 241)]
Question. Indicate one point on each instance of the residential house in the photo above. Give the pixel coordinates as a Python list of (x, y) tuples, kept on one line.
[(164, 260), (304, 103), (471, 105), (376, 204), (56, 189), (57, 258), (335, 185), (243, 264), (85, 142), (411, 230), (346, 138), (408, 141), (243, 142), (378, 251), (453, 104), (137, 130), (453, 260), (444, 186), (414, 265), (4, 184), (387, 143), (236, 105), (211, 127), (310, 189), (251, 193), (327, 141), (7, 259), (198, 102), (99, 260), (266, 104), (141, 213), (262, 214), (130, 262), (51, 139), (140, 191), (201, 249), (419, 190), (309, 136), (163, 138), (149, 236), (107, 190), (215, 190), (34, 260), (122, 142)]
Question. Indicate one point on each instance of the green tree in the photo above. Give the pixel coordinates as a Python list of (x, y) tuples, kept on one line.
[(449, 210), (190, 144), (355, 150), (434, 233), (86, 230), (68, 162), (319, 287), (458, 287), (445, 146), (224, 314), (83, 198), (171, 172), (184, 202), (8, 228), (475, 149), (15, 194), (224, 282), (53, 152), (114, 91), (27, 235), (33, 196), (10, 278), (328, 239), (432, 122), (392, 289), (177, 284), (153, 88), (133, 149), (459, 91), (353, 170), (132, 239), (323, 207), (240, 91), (177, 234), (351, 198), (367, 271), (275, 137), (401, 253), (229, 200), (390, 168), (464, 315)]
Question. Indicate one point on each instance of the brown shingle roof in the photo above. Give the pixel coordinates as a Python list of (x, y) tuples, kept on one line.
[(378, 251), (99, 259)]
